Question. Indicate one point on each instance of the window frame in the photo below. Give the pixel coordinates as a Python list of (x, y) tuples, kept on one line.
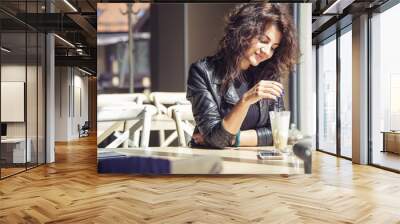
[(379, 10), (334, 37)]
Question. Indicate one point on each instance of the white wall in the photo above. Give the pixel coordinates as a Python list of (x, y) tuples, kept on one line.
[(360, 90), (71, 103), (33, 126), (13, 73), (61, 103), (307, 76), (80, 110)]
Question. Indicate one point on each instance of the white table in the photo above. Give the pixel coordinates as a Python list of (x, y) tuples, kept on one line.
[(241, 160), (18, 149)]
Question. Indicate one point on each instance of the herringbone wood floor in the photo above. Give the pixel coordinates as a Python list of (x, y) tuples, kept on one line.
[(71, 191)]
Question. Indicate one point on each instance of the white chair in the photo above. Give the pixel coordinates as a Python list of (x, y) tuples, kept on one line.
[(118, 98), (161, 99), (184, 121), (162, 121), (124, 120)]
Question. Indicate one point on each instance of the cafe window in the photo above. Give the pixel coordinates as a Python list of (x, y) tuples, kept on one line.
[(327, 95), (346, 92), (385, 89), (22, 95)]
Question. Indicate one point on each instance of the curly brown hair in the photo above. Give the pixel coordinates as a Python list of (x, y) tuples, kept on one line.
[(247, 21)]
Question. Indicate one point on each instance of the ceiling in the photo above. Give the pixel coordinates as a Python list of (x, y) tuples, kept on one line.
[(76, 22), (331, 15), (76, 25)]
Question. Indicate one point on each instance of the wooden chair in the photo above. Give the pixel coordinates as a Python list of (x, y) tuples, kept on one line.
[(123, 120), (162, 121), (184, 121), (119, 98), (162, 99)]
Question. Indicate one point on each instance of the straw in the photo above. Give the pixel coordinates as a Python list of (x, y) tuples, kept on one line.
[(277, 101)]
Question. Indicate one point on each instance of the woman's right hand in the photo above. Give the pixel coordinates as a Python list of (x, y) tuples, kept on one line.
[(264, 89)]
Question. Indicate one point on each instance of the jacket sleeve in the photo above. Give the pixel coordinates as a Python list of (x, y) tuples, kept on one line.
[(205, 109), (264, 134)]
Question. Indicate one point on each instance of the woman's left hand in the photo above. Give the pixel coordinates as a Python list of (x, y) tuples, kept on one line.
[(198, 138)]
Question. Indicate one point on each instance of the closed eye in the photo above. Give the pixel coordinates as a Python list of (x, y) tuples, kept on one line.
[(276, 46), (264, 39)]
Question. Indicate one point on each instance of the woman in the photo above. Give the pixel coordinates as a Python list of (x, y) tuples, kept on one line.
[(232, 91)]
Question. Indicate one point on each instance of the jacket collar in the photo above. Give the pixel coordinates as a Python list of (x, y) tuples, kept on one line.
[(216, 79), (231, 95)]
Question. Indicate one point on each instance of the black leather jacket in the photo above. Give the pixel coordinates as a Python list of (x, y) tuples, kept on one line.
[(203, 91)]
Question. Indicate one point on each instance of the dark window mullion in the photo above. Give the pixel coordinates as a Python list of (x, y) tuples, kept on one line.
[(317, 95), (338, 92), (44, 71), (369, 96), (26, 86), (37, 90)]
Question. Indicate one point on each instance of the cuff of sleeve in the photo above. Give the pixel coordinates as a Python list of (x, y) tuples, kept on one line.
[(264, 136), (230, 136), (219, 137)]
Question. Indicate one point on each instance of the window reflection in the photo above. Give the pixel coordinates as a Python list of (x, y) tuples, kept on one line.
[(327, 96), (385, 84), (13, 85), (346, 94), (22, 80)]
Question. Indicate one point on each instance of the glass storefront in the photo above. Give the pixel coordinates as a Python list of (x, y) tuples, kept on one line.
[(22, 79), (334, 71), (385, 89)]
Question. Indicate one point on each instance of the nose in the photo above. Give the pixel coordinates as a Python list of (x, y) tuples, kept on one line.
[(266, 51)]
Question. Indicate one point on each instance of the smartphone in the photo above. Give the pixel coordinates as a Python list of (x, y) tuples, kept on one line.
[(269, 155)]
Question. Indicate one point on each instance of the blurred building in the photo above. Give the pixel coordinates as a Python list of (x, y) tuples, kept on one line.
[(112, 47)]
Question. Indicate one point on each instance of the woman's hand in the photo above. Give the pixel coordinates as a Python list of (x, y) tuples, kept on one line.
[(262, 90), (198, 138)]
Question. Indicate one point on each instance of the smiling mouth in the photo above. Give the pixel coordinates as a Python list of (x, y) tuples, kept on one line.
[(258, 57)]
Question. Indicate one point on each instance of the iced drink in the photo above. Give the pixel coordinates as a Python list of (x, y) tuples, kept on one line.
[(280, 128)]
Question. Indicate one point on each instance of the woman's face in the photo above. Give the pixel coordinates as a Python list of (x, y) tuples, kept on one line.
[(262, 48)]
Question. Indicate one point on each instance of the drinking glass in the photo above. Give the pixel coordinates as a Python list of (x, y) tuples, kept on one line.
[(280, 129)]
